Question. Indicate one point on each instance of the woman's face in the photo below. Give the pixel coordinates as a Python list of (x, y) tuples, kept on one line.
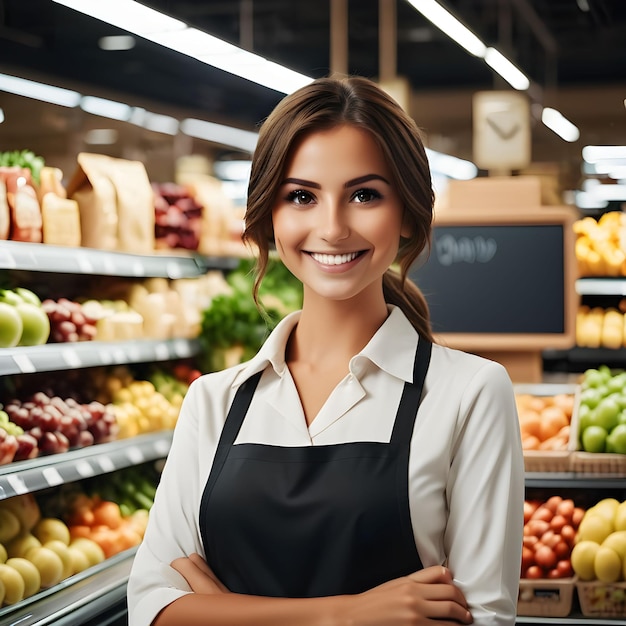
[(338, 218)]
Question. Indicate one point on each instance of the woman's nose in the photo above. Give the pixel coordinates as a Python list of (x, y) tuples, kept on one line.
[(334, 223)]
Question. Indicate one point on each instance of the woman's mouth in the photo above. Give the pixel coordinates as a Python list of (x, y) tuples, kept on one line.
[(335, 259)]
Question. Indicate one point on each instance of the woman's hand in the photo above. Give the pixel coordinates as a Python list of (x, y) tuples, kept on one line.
[(198, 574), (427, 596)]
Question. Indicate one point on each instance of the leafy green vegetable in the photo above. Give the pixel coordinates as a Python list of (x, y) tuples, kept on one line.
[(23, 158), (234, 320)]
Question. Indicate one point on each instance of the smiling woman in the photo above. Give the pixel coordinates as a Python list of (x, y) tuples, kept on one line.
[(335, 477)]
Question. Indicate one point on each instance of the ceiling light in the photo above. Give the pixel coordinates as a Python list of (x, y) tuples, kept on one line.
[(594, 154), (175, 34), (560, 125), (500, 64), (447, 23), (39, 91), (451, 166), (106, 108), (160, 123), (218, 133), (116, 42)]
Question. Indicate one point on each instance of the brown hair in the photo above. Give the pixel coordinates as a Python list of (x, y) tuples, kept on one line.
[(326, 103)]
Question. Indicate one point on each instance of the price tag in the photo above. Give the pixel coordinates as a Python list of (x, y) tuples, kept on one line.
[(138, 269), (106, 464), (24, 364), (173, 270), (71, 357), (17, 484), (135, 455), (84, 469), (182, 348), (52, 476)]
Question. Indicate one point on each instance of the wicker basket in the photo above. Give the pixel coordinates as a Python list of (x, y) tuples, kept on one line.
[(545, 597), (599, 599), (598, 463)]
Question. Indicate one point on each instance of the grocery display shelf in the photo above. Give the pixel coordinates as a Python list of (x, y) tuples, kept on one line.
[(574, 480), (31, 475), (572, 620), (62, 356), (76, 600), (39, 257)]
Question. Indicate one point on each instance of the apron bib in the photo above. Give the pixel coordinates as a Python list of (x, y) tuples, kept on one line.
[(311, 521)]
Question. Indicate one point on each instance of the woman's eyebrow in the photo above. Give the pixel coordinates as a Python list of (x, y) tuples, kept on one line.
[(363, 179), (300, 181)]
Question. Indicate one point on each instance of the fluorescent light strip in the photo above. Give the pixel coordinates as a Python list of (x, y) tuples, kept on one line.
[(209, 131), (451, 166), (560, 125), (501, 65), (449, 25), (595, 154), (39, 91), (106, 108), (171, 33)]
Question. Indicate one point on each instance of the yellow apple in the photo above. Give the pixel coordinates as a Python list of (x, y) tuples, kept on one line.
[(48, 563), (80, 562), (3, 555), (9, 525), (30, 574), (62, 549), (14, 584), (26, 509), (93, 552), (22, 544), (51, 528)]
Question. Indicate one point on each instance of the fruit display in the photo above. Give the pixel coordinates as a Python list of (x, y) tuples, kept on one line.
[(40, 548), (602, 411), (600, 245), (545, 421), (598, 327), (600, 549), (69, 321), (178, 217), (23, 321), (550, 530)]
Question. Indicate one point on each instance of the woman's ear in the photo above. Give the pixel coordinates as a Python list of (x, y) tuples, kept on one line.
[(407, 229)]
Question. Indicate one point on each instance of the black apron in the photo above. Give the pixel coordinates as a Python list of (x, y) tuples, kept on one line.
[(311, 521)]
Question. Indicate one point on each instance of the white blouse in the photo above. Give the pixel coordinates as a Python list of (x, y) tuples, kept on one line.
[(466, 469)]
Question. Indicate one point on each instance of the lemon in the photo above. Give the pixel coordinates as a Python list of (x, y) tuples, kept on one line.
[(617, 541), (606, 507), (594, 527), (583, 559), (607, 564), (619, 521)]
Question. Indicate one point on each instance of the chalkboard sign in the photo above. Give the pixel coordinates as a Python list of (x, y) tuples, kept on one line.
[(501, 281)]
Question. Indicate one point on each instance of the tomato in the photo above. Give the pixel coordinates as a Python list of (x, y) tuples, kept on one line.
[(542, 513), (553, 502), (550, 538), (528, 558), (577, 515), (566, 508), (557, 523), (534, 571), (568, 534), (564, 566), (545, 557), (554, 573), (537, 527), (562, 549), (529, 509), (529, 541)]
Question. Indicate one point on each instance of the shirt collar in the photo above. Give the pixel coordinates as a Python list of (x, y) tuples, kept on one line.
[(392, 348)]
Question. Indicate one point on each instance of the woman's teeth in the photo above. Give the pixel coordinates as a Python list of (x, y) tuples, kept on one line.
[(334, 259)]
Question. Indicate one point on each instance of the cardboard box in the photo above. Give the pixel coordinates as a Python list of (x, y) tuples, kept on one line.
[(494, 193)]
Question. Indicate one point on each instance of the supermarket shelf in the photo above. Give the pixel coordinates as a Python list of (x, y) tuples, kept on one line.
[(609, 286), (77, 599), (22, 477), (571, 620), (574, 480), (62, 356), (38, 257)]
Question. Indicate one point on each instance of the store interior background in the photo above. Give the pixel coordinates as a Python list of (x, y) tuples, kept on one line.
[(573, 51)]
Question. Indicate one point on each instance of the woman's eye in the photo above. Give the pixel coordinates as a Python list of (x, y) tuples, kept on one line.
[(300, 197), (366, 195)]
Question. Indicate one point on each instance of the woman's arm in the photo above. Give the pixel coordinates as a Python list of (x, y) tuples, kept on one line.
[(425, 597)]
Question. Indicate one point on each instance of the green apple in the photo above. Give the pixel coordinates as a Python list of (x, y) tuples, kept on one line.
[(593, 439), (10, 297), (11, 325), (35, 322), (27, 295), (606, 413), (617, 439)]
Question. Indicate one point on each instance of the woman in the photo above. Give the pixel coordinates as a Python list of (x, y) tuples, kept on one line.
[(304, 486)]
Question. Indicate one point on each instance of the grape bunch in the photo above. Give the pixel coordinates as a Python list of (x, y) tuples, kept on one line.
[(69, 322), (55, 425)]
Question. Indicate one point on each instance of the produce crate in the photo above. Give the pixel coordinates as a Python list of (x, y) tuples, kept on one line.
[(599, 599), (598, 463), (545, 597), (551, 460)]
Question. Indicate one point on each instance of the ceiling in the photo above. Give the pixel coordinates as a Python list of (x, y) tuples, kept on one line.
[(574, 52)]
